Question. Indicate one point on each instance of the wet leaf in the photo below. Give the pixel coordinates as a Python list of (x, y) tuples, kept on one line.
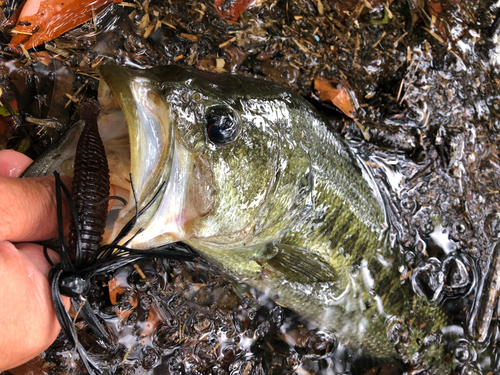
[(232, 9), (338, 95), (208, 63), (40, 21), (235, 57), (24, 145), (114, 291), (22, 83), (5, 112), (383, 21), (435, 7), (280, 71), (63, 84), (6, 131), (32, 367), (42, 56), (151, 324)]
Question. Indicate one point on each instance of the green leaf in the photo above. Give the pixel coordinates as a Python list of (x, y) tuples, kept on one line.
[(24, 145), (5, 112), (383, 21)]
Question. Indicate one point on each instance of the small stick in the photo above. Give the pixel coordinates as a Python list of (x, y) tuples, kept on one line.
[(93, 18), (488, 300)]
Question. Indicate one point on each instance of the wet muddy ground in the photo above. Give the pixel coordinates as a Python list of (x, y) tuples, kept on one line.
[(423, 81)]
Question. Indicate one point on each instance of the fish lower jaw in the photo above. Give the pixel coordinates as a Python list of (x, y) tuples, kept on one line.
[(221, 244), (160, 235)]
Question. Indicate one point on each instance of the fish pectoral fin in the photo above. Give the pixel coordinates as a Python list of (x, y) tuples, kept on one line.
[(295, 264)]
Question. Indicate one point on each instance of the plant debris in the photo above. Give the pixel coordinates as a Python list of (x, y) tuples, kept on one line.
[(339, 95), (39, 21)]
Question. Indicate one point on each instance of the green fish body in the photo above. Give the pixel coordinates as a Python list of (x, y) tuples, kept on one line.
[(257, 184)]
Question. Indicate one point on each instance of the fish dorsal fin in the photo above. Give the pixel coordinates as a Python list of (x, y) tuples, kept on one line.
[(296, 264)]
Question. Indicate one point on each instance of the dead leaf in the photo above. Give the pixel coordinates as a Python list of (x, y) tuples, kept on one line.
[(234, 10), (116, 287), (62, 84), (42, 56), (6, 131), (152, 323), (192, 38), (32, 367), (280, 71), (40, 21), (336, 94), (114, 291), (434, 7)]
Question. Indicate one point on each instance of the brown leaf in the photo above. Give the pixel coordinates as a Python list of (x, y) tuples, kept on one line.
[(32, 367), (234, 10), (280, 71), (152, 323), (62, 84), (50, 19), (192, 38), (114, 291), (339, 96), (6, 131), (436, 7), (43, 56)]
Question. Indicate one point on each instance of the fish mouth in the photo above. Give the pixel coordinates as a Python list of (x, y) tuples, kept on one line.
[(160, 166)]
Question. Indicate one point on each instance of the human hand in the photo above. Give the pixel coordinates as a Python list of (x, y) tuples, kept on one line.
[(28, 324)]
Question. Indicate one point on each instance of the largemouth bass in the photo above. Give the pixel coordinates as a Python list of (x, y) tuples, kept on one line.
[(257, 184)]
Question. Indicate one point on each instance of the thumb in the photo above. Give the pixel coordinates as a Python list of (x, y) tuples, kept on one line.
[(28, 209)]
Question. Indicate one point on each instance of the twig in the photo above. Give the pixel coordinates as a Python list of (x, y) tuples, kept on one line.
[(227, 42), (93, 18), (25, 52), (488, 300)]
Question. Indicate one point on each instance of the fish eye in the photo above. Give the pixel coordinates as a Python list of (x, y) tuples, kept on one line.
[(222, 125)]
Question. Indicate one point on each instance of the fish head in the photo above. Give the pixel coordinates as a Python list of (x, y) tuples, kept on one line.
[(218, 158)]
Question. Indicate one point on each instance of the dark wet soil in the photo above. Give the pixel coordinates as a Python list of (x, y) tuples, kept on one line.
[(424, 82)]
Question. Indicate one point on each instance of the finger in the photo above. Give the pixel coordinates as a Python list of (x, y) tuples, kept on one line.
[(31, 211), (28, 210), (27, 313), (13, 163), (35, 254)]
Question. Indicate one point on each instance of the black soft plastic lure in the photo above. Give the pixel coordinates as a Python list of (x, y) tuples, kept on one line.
[(83, 257)]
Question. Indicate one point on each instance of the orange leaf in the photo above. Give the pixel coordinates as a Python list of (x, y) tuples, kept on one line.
[(338, 96), (235, 9), (44, 57), (152, 323), (13, 104), (11, 22), (124, 314), (114, 291), (43, 20), (436, 7)]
